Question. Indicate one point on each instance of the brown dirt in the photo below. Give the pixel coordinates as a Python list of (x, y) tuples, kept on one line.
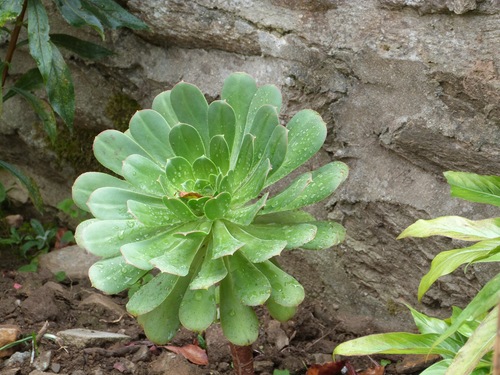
[(312, 334)]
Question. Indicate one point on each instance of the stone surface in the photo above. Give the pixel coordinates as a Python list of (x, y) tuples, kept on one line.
[(84, 338), (170, 363), (42, 361), (8, 333), (408, 89), (101, 305), (73, 260)]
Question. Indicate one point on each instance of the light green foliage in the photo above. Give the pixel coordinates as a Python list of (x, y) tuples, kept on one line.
[(191, 203), (465, 340)]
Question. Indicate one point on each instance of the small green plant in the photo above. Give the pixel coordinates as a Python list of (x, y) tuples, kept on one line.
[(193, 203), (25, 181), (465, 341), (52, 72)]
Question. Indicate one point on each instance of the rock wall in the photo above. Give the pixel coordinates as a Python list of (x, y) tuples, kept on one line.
[(409, 89)]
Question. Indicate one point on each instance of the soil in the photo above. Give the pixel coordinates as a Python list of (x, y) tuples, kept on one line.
[(30, 299)]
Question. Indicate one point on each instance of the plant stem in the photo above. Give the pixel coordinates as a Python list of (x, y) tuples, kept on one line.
[(13, 42), (242, 359), (496, 351)]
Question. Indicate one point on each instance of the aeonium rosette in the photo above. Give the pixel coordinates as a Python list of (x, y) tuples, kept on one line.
[(191, 208)]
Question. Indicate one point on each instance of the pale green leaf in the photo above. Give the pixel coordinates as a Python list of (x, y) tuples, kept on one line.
[(438, 368), (474, 187), (286, 291), (238, 90), (113, 15), (224, 243), (198, 309), (448, 261), (110, 203), (427, 324), (162, 323), (151, 295), (186, 142), (217, 207), (328, 234), (276, 148), (265, 95), (480, 343), (256, 249), (394, 343), (264, 123), (73, 12), (191, 107), (279, 312), (254, 184), (105, 237), (114, 275), (249, 284), (152, 214), (455, 227), (9, 10), (295, 235), (288, 217), (143, 174), (163, 105), (221, 121), (178, 260), (178, 171), (244, 162), (112, 147), (306, 135), (211, 272), (151, 131), (88, 182), (179, 209), (239, 322), (246, 214), (203, 167), (219, 153)]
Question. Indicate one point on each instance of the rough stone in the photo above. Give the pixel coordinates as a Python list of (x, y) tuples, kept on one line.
[(42, 361), (17, 359), (8, 334), (276, 335), (101, 305), (73, 260), (170, 363), (83, 338)]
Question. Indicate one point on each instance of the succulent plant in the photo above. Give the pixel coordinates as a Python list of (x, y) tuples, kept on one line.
[(192, 207)]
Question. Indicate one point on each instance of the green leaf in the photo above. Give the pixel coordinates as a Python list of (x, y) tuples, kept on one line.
[(163, 105), (306, 135), (82, 48), (76, 15), (223, 241), (448, 261), (256, 250), (238, 90), (113, 275), (279, 312), (38, 36), (246, 214), (288, 217), (203, 167), (60, 88), (29, 81), (239, 322), (161, 324), (328, 234), (295, 235), (438, 368), (455, 227), (43, 110), (113, 15), (276, 148), (265, 95), (427, 324), (151, 131), (191, 107), (487, 298), (178, 260), (393, 343), (244, 162), (3, 193), (9, 10), (178, 171), (254, 184), (221, 121), (198, 309), (180, 209), (186, 142), (110, 203), (309, 188), (286, 291), (105, 237), (143, 174), (151, 295), (141, 250), (480, 343), (88, 182), (151, 214), (112, 147), (265, 121), (217, 207), (211, 272), (474, 187), (27, 182), (249, 284), (219, 153)]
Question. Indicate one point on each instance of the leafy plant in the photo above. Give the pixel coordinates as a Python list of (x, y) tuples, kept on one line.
[(193, 204), (465, 341), (26, 181), (51, 72)]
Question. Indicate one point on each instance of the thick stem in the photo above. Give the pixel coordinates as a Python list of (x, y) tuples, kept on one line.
[(242, 359), (13, 42)]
